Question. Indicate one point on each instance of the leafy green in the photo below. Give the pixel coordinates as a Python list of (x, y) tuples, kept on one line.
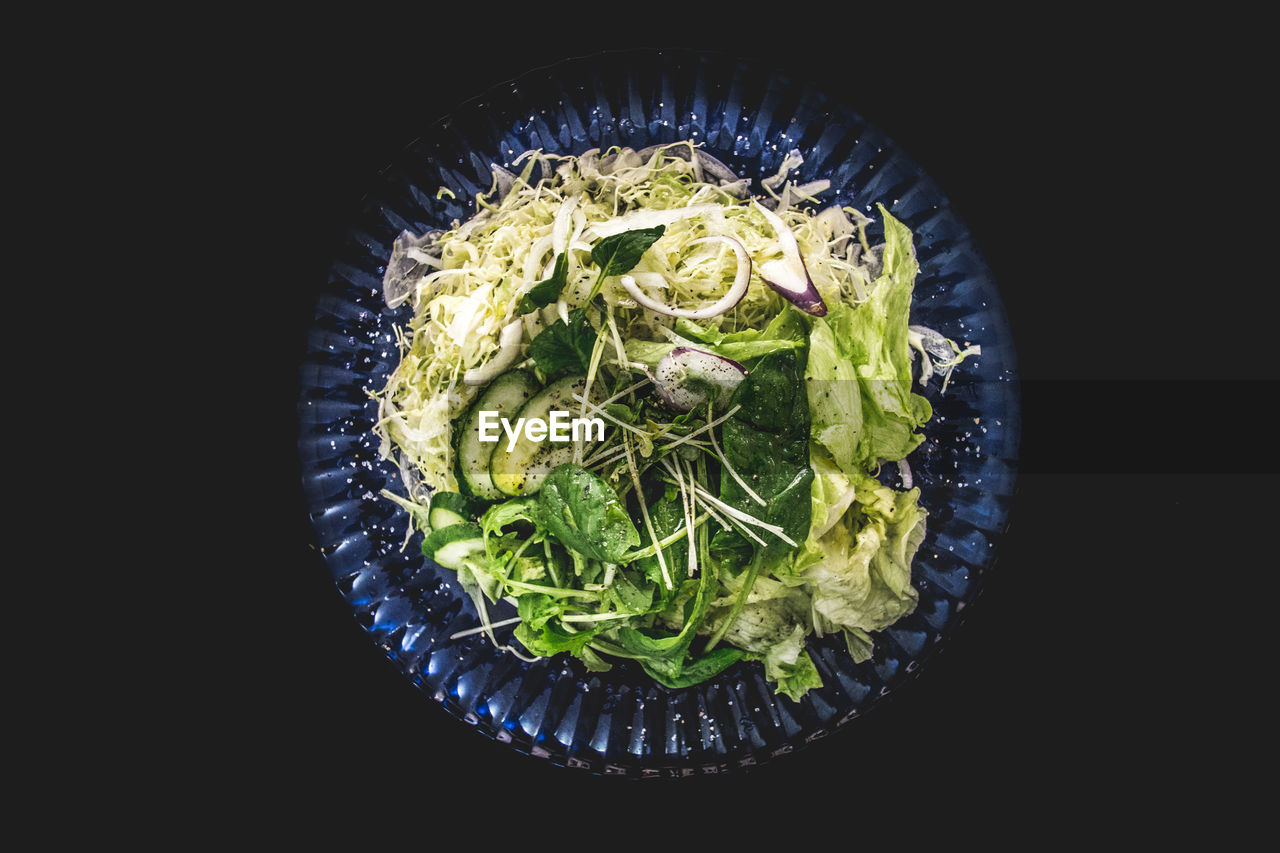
[(831, 493), (648, 353), (665, 655), (536, 609), (620, 253), (835, 396), (545, 292), (769, 437), (632, 592), (770, 614), (584, 512), (859, 643), (740, 346), (500, 516), (794, 677), (552, 639), (859, 571), (874, 337), (667, 515), (563, 346), (767, 440), (622, 412), (697, 671)]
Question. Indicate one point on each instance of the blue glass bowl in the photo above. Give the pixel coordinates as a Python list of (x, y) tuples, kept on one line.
[(621, 722)]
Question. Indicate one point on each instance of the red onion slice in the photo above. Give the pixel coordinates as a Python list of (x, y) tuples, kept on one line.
[(788, 275), (686, 378)]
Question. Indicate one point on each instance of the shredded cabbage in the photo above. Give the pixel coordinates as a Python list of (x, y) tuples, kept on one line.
[(464, 283)]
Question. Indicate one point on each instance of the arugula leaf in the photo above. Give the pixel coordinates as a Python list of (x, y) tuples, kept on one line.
[(662, 654), (565, 347), (536, 609), (620, 253), (545, 292), (631, 593), (586, 515), (667, 516), (696, 671), (551, 639), (510, 512)]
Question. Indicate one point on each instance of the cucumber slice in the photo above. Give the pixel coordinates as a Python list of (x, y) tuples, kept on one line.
[(522, 470), (450, 508), (505, 395), (449, 546)]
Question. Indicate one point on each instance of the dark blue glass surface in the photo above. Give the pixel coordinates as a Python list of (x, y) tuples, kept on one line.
[(620, 721)]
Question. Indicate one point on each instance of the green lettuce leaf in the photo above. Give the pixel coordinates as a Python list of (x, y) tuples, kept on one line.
[(830, 496), (861, 578), (835, 396), (770, 616), (794, 678), (874, 337)]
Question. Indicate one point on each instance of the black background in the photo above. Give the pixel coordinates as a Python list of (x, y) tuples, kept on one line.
[(1100, 170)]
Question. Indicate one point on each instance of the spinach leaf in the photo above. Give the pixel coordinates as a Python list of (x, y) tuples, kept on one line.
[(767, 443), (585, 514), (663, 654), (620, 253), (545, 292), (565, 347)]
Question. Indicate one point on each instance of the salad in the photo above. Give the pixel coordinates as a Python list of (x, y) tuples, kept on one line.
[(660, 415)]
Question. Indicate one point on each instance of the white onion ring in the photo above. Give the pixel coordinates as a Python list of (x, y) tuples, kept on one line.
[(731, 297)]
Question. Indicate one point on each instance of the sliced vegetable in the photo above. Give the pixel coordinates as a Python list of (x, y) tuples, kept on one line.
[(450, 508), (506, 395), (731, 297), (788, 275), (686, 378), (451, 546), (521, 470)]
